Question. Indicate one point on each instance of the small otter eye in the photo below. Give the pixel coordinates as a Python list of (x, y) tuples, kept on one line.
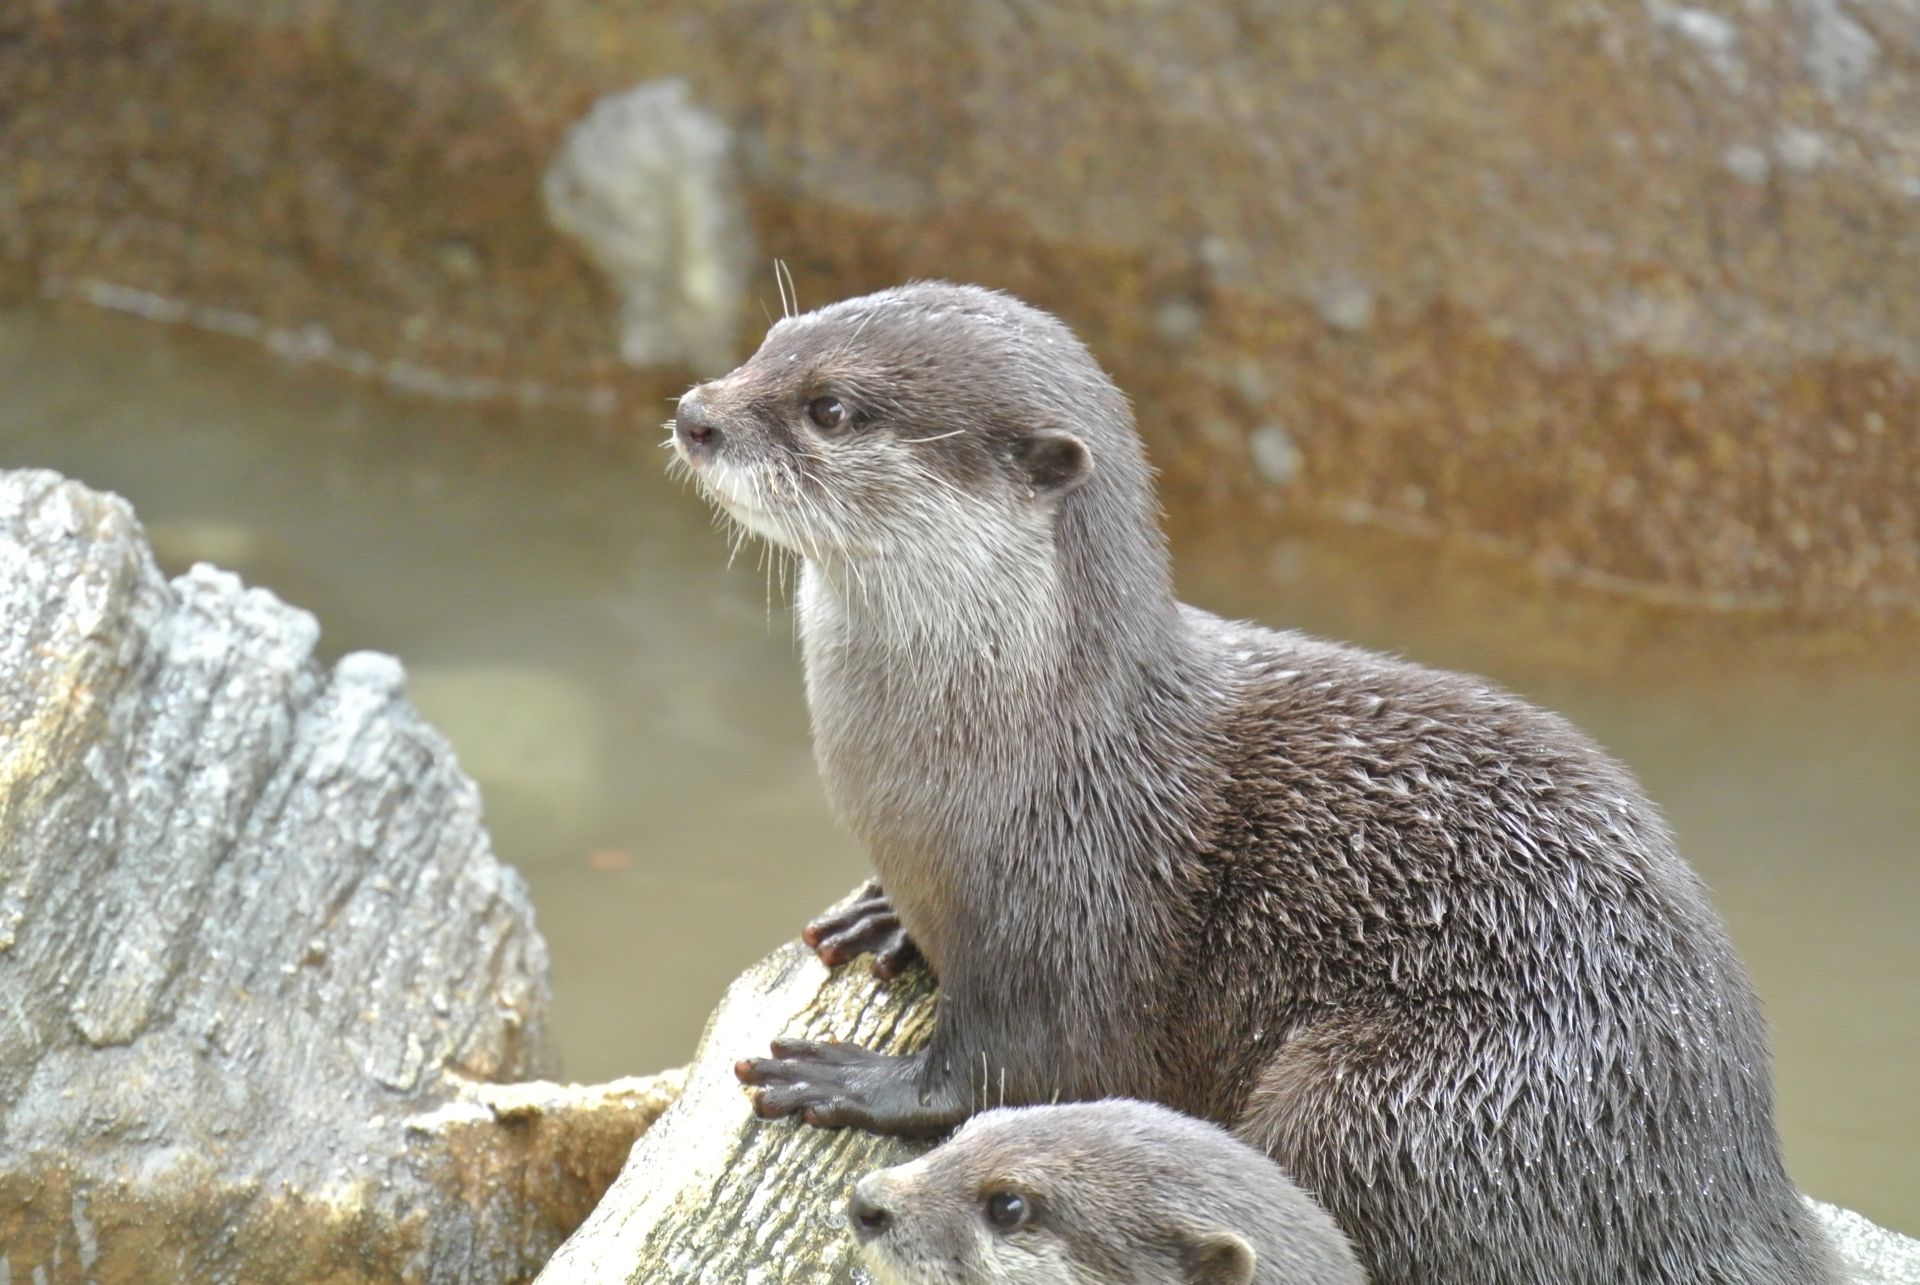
[(1007, 1209), (827, 412)]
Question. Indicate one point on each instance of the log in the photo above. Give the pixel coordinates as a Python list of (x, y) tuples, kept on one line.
[(259, 968), (712, 1192)]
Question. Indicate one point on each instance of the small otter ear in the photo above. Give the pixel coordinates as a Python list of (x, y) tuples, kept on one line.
[(1216, 1258), (1053, 460)]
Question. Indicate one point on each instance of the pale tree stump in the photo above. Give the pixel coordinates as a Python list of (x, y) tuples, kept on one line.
[(714, 1194)]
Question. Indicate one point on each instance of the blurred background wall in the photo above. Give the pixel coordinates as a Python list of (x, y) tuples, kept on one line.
[(1628, 289)]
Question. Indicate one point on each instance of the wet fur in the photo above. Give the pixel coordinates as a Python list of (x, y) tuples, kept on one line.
[(1421, 942), (1122, 1193)]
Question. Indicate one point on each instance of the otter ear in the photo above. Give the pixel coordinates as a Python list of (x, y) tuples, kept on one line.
[(1053, 460), (1216, 1258)]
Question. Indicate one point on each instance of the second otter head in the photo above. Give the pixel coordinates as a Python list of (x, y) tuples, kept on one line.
[(1115, 1192), (905, 422)]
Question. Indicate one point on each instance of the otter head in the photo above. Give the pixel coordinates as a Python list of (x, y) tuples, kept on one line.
[(1068, 1195), (931, 425)]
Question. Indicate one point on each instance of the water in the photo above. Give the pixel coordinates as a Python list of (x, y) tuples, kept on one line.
[(632, 709)]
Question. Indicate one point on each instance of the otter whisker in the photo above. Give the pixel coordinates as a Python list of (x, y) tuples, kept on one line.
[(789, 297), (781, 553), (766, 565), (814, 521), (922, 471), (842, 521)]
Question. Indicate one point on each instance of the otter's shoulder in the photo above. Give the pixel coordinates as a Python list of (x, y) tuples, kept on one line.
[(1346, 694), (1311, 728)]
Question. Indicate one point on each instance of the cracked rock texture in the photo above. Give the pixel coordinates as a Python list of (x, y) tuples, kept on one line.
[(1627, 290), (258, 963)]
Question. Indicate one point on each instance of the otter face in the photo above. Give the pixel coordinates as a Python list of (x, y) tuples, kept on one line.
[(914, 423), (930, 1224), (1040, 1194)]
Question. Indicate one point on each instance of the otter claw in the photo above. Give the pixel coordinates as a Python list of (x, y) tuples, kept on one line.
[(868, 926), (782, 1069), (836, 1085), (806, 1078), (773, 1103), (832, 1052)]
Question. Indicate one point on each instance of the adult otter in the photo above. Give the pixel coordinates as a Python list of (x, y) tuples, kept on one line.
[(1421, 942), (1099, 1193)]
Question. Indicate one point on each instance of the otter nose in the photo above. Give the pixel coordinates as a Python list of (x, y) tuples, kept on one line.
[(868, 1217), (694, 426)]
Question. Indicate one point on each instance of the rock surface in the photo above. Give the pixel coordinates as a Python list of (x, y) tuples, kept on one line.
[(712, 1193), (1627, 289), (258, 964), (645, 184)]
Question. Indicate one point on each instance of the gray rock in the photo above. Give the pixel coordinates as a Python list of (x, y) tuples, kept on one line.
[(1875, 1255), (1274, 454), (645, 184), (256, 955)]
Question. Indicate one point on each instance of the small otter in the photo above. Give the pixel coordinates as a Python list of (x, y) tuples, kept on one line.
[(1101, 1193), (1421, 942)]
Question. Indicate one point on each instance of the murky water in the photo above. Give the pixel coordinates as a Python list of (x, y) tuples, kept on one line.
[(632, 707)]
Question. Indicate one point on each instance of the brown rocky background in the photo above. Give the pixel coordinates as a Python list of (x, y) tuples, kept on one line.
[(1627, 289)]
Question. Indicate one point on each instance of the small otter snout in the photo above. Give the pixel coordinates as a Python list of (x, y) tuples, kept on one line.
[(867, 1213), (695, 429)]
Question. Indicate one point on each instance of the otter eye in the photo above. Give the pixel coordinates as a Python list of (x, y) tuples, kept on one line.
[(1007, 1209), (827, 412)]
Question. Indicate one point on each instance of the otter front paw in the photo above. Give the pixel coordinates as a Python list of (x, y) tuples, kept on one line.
[(839, 1085), (869, 924)]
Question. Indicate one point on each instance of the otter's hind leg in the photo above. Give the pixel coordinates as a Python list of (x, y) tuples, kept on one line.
[(1455, 1143), (1417, 1138)]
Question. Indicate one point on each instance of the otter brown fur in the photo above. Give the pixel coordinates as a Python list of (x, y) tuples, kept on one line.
[(1421, 942), (1097, 1193)]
